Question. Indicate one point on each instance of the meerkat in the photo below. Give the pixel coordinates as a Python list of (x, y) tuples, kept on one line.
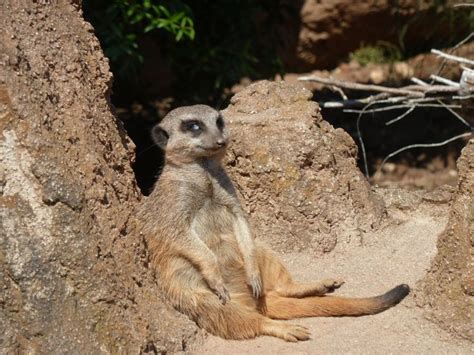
[(207, 262)]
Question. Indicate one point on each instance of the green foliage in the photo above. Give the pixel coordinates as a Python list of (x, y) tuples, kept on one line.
[(158, 16), (380, 53), (120, 23)]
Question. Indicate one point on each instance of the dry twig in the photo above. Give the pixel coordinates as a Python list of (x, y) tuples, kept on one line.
[(356, 86), (397, 107), (453, 58), (429, 145)]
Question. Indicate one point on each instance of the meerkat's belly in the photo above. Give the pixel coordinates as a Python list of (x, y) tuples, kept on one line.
[(214, 225)]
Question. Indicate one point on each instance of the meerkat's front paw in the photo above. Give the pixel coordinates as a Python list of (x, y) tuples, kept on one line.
[(332, 284), (221, 292), (254, 281)]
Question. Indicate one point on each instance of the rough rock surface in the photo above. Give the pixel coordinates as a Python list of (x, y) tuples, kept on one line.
[(448, 289), (297, 174), (328, 30), (71, 279)]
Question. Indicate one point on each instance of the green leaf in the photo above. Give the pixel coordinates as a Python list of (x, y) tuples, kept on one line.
[(164, 10)]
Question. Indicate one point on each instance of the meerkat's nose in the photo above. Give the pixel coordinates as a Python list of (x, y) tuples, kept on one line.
[(220, 142)]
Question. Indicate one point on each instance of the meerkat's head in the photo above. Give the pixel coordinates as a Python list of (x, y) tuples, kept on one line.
[(191, 132)]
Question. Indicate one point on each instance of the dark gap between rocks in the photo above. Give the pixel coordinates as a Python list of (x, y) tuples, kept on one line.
[(415, 168), (149, 158)]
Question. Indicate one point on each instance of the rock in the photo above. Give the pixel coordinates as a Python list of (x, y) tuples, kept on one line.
[(400, 199), (71, 279), (297, 174), (447, 290), (442, 194), (327, 31)]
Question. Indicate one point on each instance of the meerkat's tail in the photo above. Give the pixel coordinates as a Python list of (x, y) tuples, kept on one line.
[(329, 306)]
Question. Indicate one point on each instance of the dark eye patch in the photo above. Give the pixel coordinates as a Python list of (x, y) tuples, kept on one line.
[(194, 126), (220, 123)]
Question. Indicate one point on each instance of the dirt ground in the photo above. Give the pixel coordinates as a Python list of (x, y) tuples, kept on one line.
[(399, 253)]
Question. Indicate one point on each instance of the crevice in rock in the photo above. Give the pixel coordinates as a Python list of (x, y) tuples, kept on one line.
[(149, 158)]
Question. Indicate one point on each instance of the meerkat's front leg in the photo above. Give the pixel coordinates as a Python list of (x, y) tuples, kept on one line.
[(249, 253), (197, 252)]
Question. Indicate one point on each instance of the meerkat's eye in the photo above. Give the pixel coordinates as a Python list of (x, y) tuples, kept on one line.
[(191, 126), (194, 127), (220, 123)]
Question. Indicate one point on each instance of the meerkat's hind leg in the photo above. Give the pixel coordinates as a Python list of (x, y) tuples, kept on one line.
[(286, 331), (277, 278), (237, 319)]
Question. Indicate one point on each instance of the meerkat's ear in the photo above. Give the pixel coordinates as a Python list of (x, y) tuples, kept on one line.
[(160, 136)]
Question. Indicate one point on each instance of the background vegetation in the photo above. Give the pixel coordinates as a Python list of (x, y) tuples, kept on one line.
[(208, 45)]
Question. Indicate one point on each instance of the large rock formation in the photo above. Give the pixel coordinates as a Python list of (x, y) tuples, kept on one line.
[(448, 289), (297, 174), (71, 279), (326, 31)]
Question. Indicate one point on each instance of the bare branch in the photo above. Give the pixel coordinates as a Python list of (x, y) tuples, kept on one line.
[(382, 98), (453, 58), (465, 97), (428, 99), (361, 141), (397, 107), (396, 119), (357, 86), (432, 89), (445, 81), (339, 91), (443, 64), (455, 114), (411, 90), (429, 145), (419, 81), (341, 104)]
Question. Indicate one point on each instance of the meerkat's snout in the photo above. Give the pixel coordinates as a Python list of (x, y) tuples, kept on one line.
[(219, 145), (221, 142), (220, 135)]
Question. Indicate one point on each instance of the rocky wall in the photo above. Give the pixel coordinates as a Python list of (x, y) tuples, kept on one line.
[(72, 279)]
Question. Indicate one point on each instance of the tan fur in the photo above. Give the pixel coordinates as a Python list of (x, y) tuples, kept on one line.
[(206, 259)]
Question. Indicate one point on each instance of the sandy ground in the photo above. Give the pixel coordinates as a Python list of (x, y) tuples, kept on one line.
[(399, 253)]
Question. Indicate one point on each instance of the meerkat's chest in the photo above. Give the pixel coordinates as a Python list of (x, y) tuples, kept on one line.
[(214, 220), (214, 216)]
